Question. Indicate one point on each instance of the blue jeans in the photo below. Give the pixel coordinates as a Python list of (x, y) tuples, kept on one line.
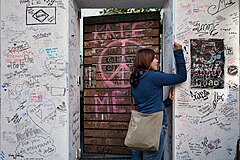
[(152, 155)]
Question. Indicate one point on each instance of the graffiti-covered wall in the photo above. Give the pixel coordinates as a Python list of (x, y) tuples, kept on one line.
[(36, 79), (167, 65), (74, 84), (207, 105)]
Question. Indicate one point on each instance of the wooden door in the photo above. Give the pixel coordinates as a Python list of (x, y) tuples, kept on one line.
[(110, 44)]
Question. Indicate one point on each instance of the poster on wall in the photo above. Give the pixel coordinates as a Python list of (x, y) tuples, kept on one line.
[(207, 63)]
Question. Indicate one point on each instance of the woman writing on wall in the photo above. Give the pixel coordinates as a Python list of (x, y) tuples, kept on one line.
[(147, 89)]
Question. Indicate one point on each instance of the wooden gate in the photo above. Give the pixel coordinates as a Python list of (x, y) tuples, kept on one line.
[(110, 44)]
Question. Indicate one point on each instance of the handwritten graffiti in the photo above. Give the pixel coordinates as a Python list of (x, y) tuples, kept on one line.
[(232, 70), (15, 119), (28, 3), (56, 67), (207, 108), (22, 125), (222, 5), (232, 85), (235, 17), (6, 84), (228, 111), (231, 99), (199, 95), (18, 55), (217, 98), (210, 146), (220, 18), (41, 35), (106, 100), (34, 81), (193, 119), (228, 50), (15, 156), (62, 107), (22, 105), (193, 8), (73, 96), (207, 67), (110, 31), (2, 155), (196, 148), (18, 92), (183, 155), (28, 133), (121, 69), (184, 95), (50, 2), (182, 138), (43, 115), (110, 60), (19, 59), (76, 127), (35, 97), (222, 124), (41, 15), (202, 29), (9, 136), (40, 145)]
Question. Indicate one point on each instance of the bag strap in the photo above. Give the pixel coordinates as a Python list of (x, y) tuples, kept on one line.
[(131, 99), (163, 106)]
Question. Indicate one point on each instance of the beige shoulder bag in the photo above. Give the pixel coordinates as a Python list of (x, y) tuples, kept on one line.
[(144, 131)]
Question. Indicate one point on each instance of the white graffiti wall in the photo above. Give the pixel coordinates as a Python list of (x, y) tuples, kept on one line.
[(206, 117), (167, 65), (37, 89), (74, 83)]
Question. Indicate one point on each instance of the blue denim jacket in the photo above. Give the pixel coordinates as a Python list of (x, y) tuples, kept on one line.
[(148, 93)]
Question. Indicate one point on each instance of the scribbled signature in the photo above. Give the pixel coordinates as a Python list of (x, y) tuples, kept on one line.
[(2, 155), (15, 156), (214, 9)]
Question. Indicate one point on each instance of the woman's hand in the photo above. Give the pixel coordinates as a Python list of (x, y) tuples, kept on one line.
[(176, 46), (171, 94)]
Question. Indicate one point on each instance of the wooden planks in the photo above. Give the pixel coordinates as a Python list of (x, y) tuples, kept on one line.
[(107, 117), (104, 141), (108, 83), (119, 43), (106, 149), (105, 125), (107, 109), (122, 18), (118, 50), (110, 45), (103, 91), (107, 100), (109, 59), (122, 26), (120, 34), (105, 133)]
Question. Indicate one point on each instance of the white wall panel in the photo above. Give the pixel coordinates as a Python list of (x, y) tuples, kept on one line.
[(207, 105), (74, 88), (37, 86)]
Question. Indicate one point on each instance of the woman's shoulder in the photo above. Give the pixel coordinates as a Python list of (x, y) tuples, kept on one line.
[(155, 72)]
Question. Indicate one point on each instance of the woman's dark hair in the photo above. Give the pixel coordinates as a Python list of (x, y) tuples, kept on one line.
[(144, 58)]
